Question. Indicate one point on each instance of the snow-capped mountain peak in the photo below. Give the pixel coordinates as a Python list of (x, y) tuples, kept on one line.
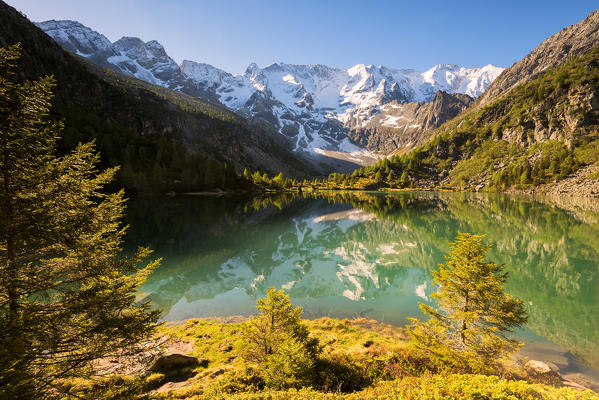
[(77, 38), (314, 102), (455, 79), (204, 74), (314, 105)]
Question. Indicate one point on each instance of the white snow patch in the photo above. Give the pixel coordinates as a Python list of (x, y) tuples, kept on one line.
[(392, 120), (420, 291), (386, 249)]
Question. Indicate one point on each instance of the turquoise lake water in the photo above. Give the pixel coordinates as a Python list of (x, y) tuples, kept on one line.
[(370, 255)]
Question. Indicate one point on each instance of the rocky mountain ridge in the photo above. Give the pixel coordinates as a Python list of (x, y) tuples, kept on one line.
[(572, 41), (161, 138), (315, 106), (400, 127)]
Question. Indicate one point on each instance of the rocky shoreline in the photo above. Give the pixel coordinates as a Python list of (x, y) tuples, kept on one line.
[(584, 183)]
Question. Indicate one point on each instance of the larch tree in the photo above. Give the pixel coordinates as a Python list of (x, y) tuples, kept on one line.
[(469, 328), (279, 343), (67, 297)]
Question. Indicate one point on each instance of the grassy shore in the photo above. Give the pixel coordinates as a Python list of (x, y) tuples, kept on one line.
[(361, 359)]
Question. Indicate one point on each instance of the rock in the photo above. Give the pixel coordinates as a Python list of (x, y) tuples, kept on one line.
[(218, 372), (572, 41), (413, 122), (538, 367), (542, 372), (167, 387), (174, 362), (203, 362)]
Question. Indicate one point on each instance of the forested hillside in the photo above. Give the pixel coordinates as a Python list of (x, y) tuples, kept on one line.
[(539, 132), (163, 140)]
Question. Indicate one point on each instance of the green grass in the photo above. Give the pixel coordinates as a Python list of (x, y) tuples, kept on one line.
[(433, 387), (361, 359)]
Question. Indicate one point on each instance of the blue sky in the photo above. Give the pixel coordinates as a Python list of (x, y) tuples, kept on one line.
[(402, 34)]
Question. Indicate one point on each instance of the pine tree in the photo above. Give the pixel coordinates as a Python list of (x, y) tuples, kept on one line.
[(404, 179), (66, 296), (469, 328), (278, 342), (279, 180), (256, 177)]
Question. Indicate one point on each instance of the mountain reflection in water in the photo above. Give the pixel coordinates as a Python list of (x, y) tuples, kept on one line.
[(368, 254)]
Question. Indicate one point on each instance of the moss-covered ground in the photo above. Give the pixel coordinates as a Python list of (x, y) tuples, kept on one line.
[(360, 359)]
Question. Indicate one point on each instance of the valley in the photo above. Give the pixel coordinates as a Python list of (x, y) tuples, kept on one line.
[(299, 200)]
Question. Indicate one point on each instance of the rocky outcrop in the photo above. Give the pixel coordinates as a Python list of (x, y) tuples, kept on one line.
[(549, 374), (401, 127), (574, 40), (176, 366), (558, 115), (538, 367)]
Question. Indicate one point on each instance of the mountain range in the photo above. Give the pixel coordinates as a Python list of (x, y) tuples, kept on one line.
[(163, 140), (321, 109), (183, 127), (536, 125)]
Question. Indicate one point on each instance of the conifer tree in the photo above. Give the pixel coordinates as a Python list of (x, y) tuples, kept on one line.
[(404, 179), (468, 329), (278, 342), (66, 297), (279, 180)]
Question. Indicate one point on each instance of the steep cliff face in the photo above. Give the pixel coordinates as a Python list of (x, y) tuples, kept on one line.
[(132, 118), (539, 132), (400, 128), (572, 41)]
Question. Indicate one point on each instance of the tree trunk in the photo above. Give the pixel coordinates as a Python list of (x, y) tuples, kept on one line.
[(464, 327)]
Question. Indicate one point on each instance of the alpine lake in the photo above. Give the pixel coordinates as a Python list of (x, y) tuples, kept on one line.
[(370, 255)]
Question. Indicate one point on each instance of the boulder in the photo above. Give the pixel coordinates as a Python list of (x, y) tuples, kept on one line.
[(542, 372), (225, 347), (538, 367)]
